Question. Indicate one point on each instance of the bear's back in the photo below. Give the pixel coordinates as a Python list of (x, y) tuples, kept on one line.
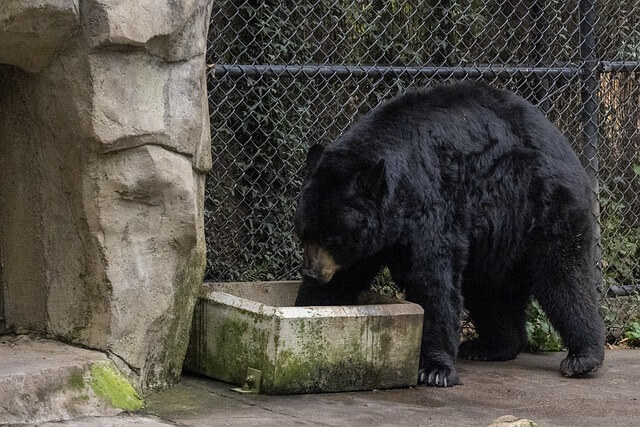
[(470, 120), (477, 148)]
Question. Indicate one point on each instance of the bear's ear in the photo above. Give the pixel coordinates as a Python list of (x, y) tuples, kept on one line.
[(313, 157), (376, 179)]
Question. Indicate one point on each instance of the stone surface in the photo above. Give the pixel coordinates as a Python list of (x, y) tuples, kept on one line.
[(42, 380), (33, 31), (173, 30), (135, 102), (238, 326), (102, 163), (148, 215), (110, 21), (128, 100), (22, 251)]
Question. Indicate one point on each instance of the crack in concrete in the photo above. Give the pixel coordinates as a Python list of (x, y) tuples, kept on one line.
[(135, 370)]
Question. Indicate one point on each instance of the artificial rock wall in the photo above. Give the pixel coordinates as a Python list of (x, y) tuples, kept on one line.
[(104, 143)]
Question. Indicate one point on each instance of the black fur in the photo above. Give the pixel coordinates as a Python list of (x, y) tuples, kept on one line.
[(467, 193)]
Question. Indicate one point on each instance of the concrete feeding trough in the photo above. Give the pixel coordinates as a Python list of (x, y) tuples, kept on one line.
[(250, 334)]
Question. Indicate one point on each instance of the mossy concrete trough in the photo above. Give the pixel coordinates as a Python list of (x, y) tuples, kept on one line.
[(238, 326)]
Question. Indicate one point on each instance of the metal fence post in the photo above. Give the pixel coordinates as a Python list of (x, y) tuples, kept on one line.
[(589, 117), (541, 48)]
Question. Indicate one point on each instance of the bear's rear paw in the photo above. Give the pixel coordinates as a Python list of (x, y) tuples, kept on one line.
[(477, 350), (438, 376), (575, 365)]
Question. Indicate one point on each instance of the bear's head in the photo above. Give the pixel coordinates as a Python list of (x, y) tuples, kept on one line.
[(339, 211)]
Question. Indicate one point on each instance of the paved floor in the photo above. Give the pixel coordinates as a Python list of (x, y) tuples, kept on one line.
[(528, 387)]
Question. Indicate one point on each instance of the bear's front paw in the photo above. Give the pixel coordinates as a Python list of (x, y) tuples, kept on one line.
[(438, 376), (576, 365)]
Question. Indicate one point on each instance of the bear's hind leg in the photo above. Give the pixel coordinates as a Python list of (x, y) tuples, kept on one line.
[(567, 294), (499, 318)]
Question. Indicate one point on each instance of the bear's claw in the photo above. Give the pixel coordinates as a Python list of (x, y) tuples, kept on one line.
[(442, 376)]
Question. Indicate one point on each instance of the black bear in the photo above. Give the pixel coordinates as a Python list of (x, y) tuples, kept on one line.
[(467, 193)]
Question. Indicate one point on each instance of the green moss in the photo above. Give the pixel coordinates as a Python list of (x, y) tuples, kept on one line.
[(77, 401), (314, 365), (109, 384), (76, 380), (385, 342), (168, 359), (309, 372), (241, 346)]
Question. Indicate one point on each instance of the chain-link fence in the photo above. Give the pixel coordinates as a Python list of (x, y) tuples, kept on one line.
[(285, 74)]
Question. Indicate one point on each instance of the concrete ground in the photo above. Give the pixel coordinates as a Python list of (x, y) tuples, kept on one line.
[(529, 387)]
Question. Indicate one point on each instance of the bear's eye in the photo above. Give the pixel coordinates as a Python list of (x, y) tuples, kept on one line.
[(353, 218)]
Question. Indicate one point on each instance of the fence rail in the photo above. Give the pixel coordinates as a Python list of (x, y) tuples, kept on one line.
[(381, 71), (285, 74)]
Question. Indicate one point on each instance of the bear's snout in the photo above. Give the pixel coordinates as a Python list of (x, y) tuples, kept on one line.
[(318, 264)]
